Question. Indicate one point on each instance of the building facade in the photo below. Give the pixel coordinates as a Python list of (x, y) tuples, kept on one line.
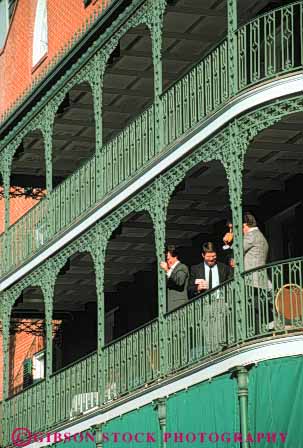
[(128, 125)]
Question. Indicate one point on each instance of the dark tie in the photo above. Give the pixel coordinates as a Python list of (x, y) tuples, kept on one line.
[(210, 279)]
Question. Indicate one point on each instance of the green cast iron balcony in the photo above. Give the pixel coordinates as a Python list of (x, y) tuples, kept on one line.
[(267, 47), (203, 328)]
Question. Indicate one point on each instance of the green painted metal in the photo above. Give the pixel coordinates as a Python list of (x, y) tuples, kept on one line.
[(269, 45), (201, 328), (73, 389), (132, 362), (232, 15), (205, 326), (210, 405), (275, 282), (154, 200), (28, 408), (266, 48), (241, 373), (275, 391)]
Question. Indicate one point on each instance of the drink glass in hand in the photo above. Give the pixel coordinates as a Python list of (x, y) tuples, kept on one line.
[(201, 284)]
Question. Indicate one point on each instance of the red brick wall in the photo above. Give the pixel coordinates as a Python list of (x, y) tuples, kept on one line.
[(64, 18), (22, 346), (18, 207)]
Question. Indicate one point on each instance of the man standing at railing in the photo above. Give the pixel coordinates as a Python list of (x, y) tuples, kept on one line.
[(203, 277), (255, 249), (177, 278), (258, 288), (208, 274)]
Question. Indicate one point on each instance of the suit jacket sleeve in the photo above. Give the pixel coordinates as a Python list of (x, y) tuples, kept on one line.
[(178, 277), (192, 288), (248, 241), (225, 273)]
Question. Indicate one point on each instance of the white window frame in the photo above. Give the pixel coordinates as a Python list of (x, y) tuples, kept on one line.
[(40, 41), (39, 365), (4, 22)]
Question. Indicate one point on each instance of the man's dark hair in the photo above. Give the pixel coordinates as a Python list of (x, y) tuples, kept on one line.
[(208, 247), (249, 219), (173, 250)]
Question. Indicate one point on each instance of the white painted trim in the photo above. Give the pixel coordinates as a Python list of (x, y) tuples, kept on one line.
[(256, 97), (40, 40), (261, 351)]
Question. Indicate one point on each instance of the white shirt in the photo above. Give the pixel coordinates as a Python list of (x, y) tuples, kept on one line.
[(251, 229), (169, 272), (215, 275)]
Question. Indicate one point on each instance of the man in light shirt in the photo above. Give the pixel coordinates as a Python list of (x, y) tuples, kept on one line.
[(176, 278)]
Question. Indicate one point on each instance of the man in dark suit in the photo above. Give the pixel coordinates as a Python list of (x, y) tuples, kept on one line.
[(208, 274), (177, 278)]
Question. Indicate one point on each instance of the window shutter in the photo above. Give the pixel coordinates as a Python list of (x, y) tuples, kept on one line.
[(27, 372), (11, 6), (86, 2)]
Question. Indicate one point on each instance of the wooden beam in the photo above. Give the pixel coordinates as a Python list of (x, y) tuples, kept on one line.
[(197, 213), (204, 12), (283, 147), (172, 35), (126, 92)]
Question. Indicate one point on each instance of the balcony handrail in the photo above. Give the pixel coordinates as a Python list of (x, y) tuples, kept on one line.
[(211, 50), (261, 16), (73, 363), (30, 210), (271, 264), (130, 333), (25, 389), (201, 295)]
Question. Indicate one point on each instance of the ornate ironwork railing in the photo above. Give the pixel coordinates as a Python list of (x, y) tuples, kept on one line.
[(268, 46), (132, 361), (202, 327), (273, 302), (74, 390), (197, 95), (27, 408), (274, 298)]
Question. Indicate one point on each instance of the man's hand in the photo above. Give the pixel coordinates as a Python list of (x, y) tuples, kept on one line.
[(201, 284), (164, 266), (228, 238)]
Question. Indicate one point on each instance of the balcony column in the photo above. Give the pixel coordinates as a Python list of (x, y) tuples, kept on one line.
[(6, 176), (96, 81), (47, 131), (241, 374), (48, 290), (234, 163), (98, 253), (157, 42), (160, 407), (5, 317), (158, 211), (232, 15)]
